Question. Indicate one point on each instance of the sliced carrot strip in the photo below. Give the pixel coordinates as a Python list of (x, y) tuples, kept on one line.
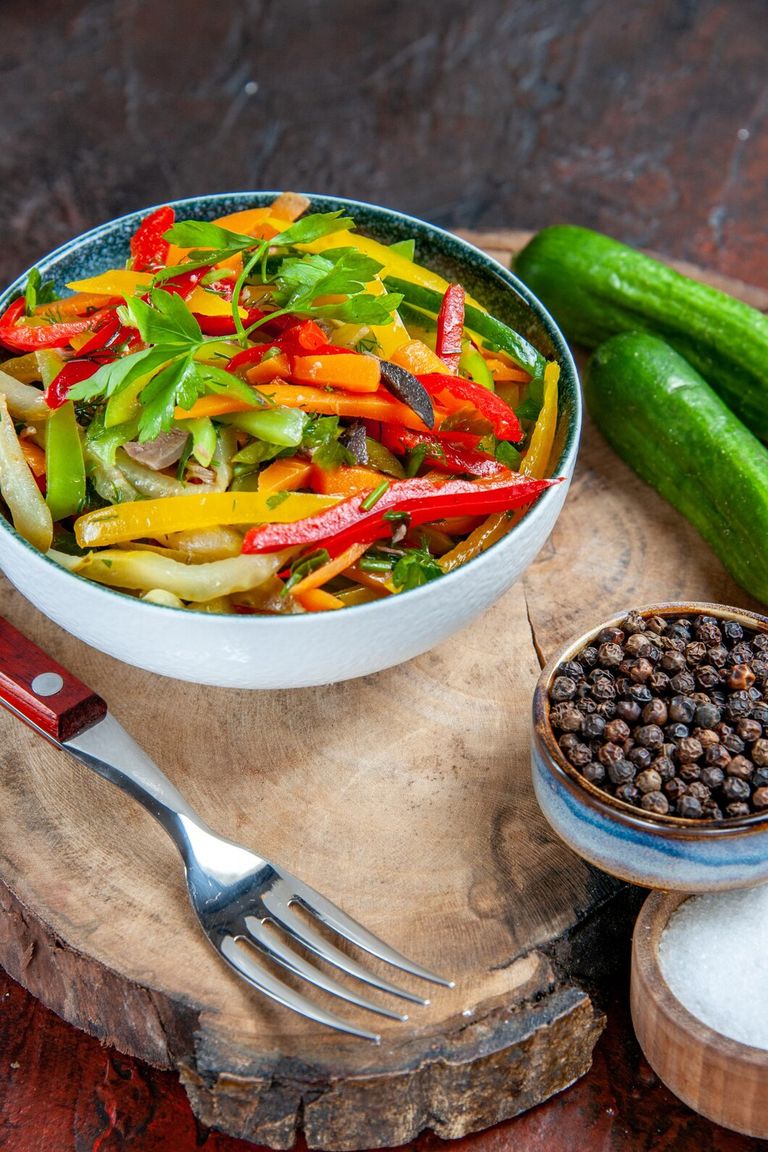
[(77, 305), (327, 572), (344, 481), (285, 475), (418, 358), (289, 206), (350, 372), (316, 600), (269, 369)]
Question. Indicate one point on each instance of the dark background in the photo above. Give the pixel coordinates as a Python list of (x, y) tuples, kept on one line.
[(646, 120)]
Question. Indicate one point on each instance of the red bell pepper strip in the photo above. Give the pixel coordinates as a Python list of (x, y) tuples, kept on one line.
[(440, 453), (248, 357), (222, 325), (349, 522), (108, 333), (450, 326), (185, 283), (499, 415), (72, 373), (31, 337), (149, 249)]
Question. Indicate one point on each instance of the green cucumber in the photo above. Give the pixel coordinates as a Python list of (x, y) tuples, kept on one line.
[(595, 287), (663, 418)]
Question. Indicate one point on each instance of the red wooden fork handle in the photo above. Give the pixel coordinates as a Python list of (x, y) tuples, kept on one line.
[(41, 692)]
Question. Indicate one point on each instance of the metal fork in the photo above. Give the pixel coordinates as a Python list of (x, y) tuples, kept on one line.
[(246, 905)]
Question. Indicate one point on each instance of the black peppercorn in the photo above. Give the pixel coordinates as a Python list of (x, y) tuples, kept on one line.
[(628, 793), (682, 709), (742, 767), (707, 716), (659, 681), (655, 802), (689, 749), (655, 712), (707, 676), (708, 631), (733, 630), (620, 771), (593, 772), (593, 726), (648, 781), (689, 807), (641, 671), (760, 777), (610, 655), (656, 624), (604, 689), (566, 717), (760, 798), (675, 788), (717, 656), (650, 736), (628, 710), (738, 808), (606, 709), (665, 767), (617, 730), (640, 694), (717, 756), (579, 755), (712, 777), (638, 645), (735, 789), (738, 704), (640, 757), (676, 732), (695, 652), (740, 678), (564, 688), (572, 668), (673, 662), (683, 683), (733, 743)]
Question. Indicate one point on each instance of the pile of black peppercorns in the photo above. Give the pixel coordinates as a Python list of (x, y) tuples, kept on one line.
[(669, 715)]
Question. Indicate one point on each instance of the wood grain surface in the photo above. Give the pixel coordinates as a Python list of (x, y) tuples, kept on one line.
[(645, 121), (391, 766)]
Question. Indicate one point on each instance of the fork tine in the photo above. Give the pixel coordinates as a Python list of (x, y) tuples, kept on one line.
[(260, 978), (305, 934), (351, 930), (290, 959)]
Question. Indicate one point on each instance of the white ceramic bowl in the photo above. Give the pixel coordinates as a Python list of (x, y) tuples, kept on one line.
[(322, 647)]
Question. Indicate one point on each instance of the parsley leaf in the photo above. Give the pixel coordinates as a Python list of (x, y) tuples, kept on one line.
[(415, 567), (303, 566), (321, 439), (312, 227), (165, 320), (38, 291), (200, 234)]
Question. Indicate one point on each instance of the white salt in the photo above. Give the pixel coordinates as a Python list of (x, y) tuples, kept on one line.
[(713, 954)]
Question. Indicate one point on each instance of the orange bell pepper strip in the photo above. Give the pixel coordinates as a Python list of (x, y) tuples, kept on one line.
[(76, 305), (318, 600), (351, 372), (418, 358), (33, 455), (327, 572), (285, 475), (345, 481), (363, 405)]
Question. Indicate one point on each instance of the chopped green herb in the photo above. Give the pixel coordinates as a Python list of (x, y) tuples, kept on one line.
[(416, 567), (415, 459), (405, 248), (508, 455), (303, 566), (276, 499), (38, 291), (374, 497)]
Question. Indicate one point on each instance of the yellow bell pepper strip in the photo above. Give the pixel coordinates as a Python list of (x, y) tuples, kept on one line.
[(64, 463), (365, 518), (536, 460), (450, 327), (327, 571), (285, 475), (139, 519), (362, 594), (144, 571), (116, 282), (393, 263), (203, 303), (418, 358), (29, 512), (388, 337), (535, 464), (351, 372), (318, 600)]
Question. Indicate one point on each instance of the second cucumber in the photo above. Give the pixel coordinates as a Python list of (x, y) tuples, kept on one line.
[(665, 421)]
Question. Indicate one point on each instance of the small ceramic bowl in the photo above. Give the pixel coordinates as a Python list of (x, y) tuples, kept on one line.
[(723, 1079), (318, 647), (652, 851)]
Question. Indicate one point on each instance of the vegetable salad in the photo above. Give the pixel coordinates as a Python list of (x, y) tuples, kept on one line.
[(270, 413)]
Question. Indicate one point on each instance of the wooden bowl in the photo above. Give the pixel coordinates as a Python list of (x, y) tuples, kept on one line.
[(721, 1078)]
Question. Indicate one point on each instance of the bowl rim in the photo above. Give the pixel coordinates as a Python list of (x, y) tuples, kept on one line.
[(588, 794), (564, 464)]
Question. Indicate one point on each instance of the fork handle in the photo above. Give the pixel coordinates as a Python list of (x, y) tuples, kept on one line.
[(41, 692)]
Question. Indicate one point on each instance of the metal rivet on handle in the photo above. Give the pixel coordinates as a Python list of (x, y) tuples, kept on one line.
[(47, 684)]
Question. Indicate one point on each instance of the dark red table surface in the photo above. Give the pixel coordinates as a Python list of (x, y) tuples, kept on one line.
[(647, 121)]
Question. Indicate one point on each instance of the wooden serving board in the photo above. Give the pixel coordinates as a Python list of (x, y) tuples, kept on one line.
[(404, 796)]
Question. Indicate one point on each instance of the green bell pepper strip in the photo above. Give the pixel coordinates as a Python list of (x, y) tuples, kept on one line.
[(473, 364), (283, 426), (511, 342), (64, 463)]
